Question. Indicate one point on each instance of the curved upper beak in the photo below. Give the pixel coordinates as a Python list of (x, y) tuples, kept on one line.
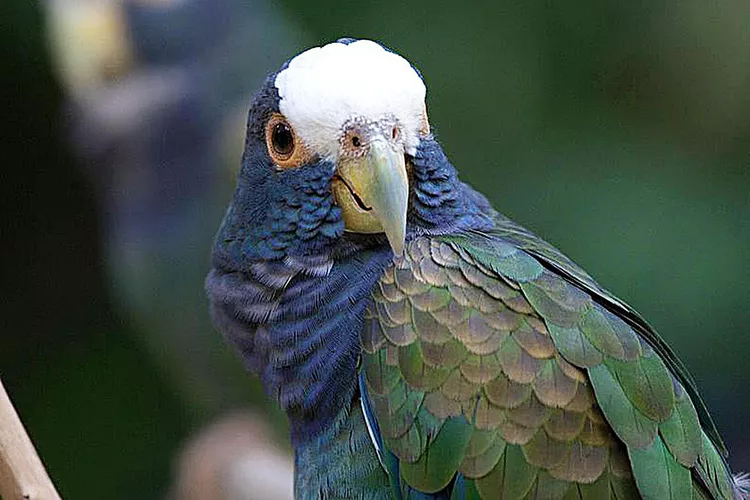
[(374, 196)]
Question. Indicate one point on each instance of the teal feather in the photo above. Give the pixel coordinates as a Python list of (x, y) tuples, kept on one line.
[(658, 475), (631, 426), (465, 489), (574, 346), (682, 432), (647, 384), (436, 468), (711, 471), (338, 476), (609, 335), (513, 476)]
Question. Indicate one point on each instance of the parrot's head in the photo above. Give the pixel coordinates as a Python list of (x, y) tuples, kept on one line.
[(333, 148), (357, 110)]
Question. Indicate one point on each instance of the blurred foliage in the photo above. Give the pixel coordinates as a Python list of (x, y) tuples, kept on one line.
[(619, 132)]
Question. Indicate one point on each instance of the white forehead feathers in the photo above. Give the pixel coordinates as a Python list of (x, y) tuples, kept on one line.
[(324, 87)]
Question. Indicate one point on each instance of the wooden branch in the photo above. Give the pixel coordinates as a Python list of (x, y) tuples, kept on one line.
[(22, 474)]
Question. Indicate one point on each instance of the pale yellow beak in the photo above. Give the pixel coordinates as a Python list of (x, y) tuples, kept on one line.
[(373, 192)]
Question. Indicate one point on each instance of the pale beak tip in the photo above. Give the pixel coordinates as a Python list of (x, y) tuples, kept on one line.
[(396, 234), (397, 247)]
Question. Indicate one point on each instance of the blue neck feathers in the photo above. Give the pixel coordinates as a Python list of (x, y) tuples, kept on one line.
[(288, 286), (299, 331), (440, 202)]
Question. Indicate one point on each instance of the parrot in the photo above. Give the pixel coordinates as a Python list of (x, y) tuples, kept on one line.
[(422, 344)]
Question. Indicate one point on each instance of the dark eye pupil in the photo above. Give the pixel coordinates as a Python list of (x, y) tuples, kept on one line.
[(282, 138)]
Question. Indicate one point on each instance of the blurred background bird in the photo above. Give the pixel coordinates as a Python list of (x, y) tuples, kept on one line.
[(626, 125)]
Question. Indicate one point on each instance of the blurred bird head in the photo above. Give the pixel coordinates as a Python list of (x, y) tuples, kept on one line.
[(90, 43)]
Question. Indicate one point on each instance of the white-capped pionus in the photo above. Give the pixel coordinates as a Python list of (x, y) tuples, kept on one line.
[(422, 344)]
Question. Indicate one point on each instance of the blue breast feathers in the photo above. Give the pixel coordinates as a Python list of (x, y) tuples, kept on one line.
[(299, 329)]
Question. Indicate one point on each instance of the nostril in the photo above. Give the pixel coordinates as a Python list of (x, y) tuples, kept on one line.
[(356, 142)]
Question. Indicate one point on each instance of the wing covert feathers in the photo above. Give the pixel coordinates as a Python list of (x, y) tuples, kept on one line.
[(493, 376)]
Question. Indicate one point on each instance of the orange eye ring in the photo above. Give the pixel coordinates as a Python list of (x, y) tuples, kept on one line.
[(284, 147)]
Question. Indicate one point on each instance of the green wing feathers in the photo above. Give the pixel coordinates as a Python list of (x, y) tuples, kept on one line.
[(493, 376)]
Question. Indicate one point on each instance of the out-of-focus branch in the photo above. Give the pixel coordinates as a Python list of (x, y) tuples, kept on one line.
[(22, 474)]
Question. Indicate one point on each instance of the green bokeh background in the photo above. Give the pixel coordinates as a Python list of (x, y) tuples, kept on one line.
[(619, 132)]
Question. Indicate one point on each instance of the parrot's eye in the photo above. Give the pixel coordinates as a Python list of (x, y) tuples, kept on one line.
[(282, 143), (282, 139)]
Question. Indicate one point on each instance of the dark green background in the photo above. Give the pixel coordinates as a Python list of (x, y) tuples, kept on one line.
[(620, 133)]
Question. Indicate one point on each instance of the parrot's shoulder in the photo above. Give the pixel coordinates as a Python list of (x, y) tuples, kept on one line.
[(566, 269)]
